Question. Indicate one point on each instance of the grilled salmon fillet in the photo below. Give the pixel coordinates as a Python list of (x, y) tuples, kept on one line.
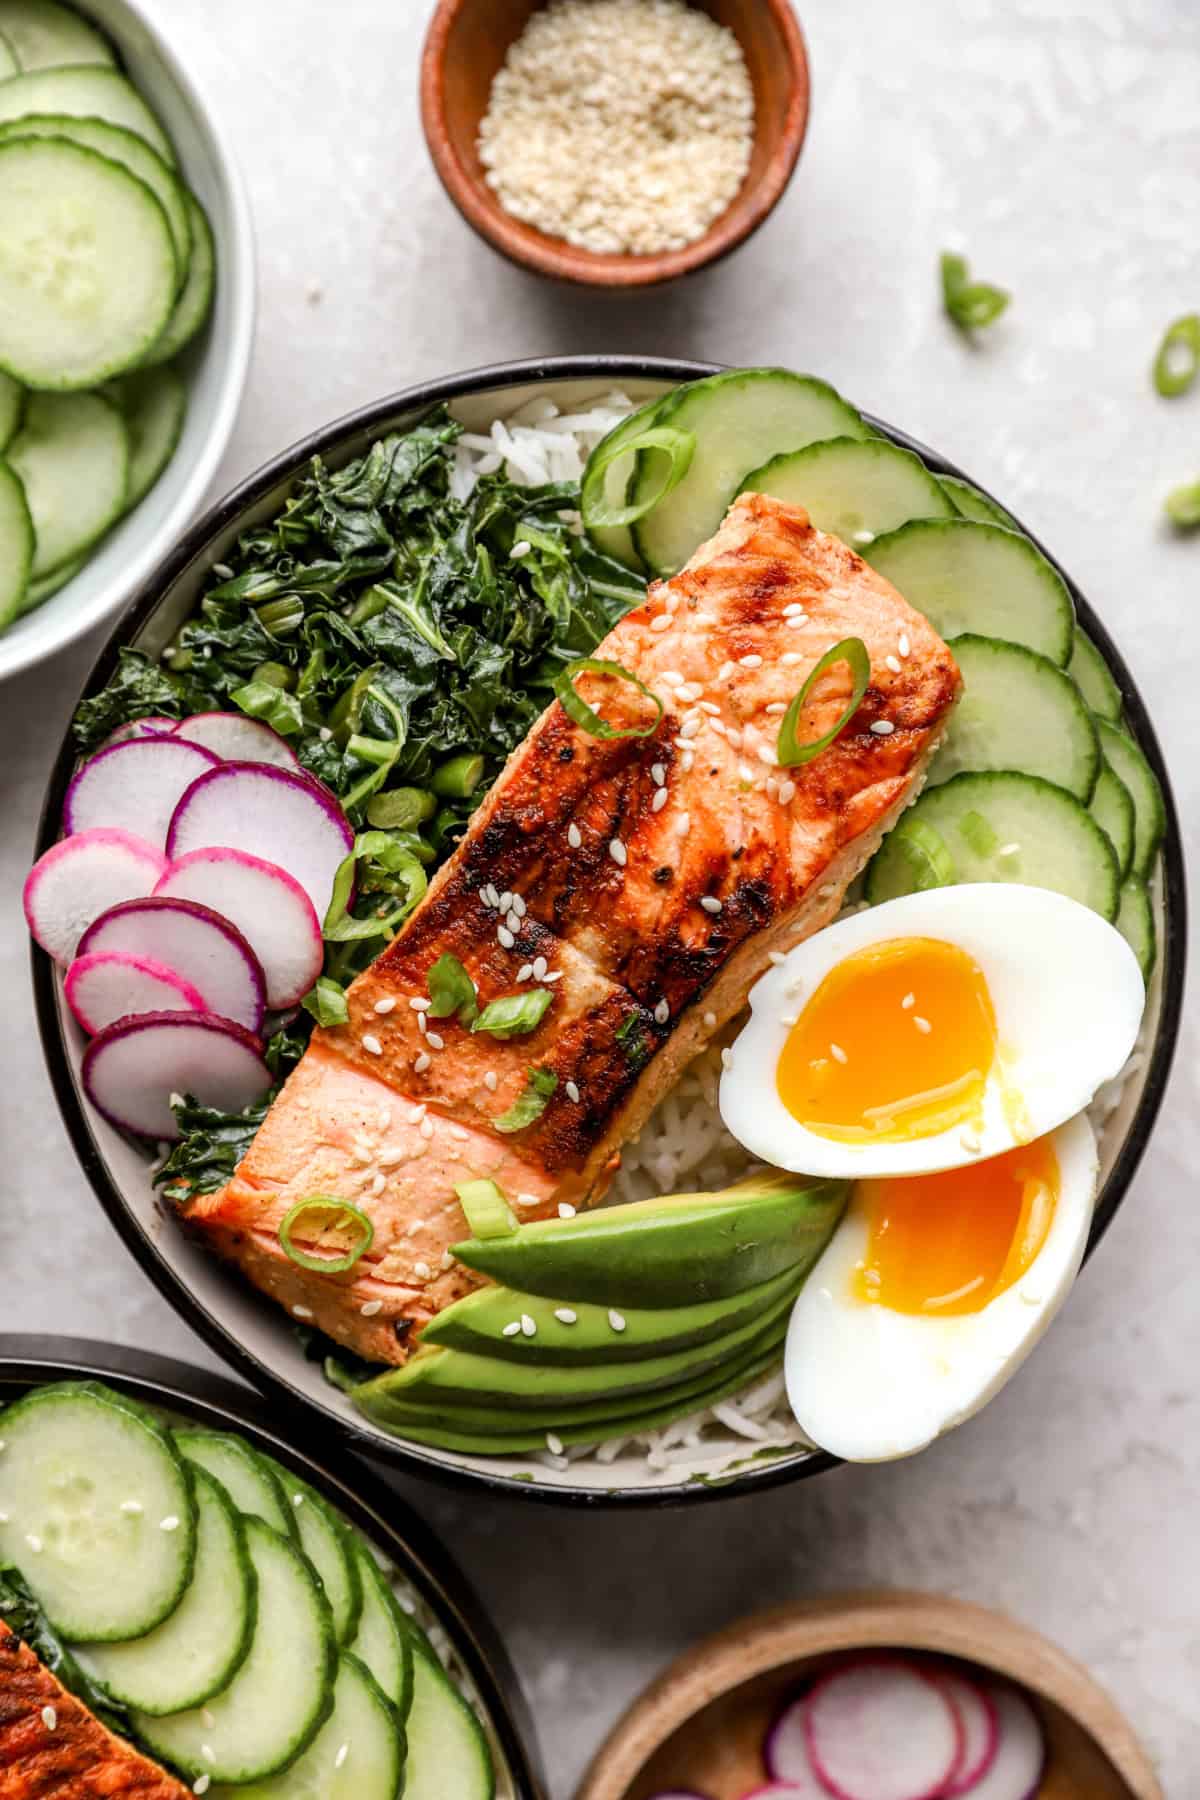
[(50, 1744), (647, 879)]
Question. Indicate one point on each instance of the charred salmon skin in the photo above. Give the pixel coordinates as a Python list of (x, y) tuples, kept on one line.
[(52, 1748), (642, 880)]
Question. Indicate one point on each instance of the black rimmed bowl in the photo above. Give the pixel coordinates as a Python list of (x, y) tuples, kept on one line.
[(248, 1331), (392, 1528)]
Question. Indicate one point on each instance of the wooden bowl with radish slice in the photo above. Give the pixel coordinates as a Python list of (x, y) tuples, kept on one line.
[(877, 1695)]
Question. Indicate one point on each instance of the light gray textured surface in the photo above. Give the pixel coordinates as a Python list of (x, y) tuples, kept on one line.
[(1058, 141)]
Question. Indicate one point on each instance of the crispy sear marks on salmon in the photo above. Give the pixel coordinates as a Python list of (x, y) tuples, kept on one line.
[(643, 880)]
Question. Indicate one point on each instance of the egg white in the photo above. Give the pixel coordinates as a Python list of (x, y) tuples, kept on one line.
[(869, 1384), (1068, 998)]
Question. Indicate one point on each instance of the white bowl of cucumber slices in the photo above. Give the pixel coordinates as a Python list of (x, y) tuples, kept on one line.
[(124, 350)]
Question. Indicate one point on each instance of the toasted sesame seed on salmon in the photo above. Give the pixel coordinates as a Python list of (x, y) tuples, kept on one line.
[(645, 879), (53, 1748)]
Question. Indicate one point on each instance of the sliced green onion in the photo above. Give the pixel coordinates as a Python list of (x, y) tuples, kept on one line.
[(1178, 361), (971, 304), (930, 863), (514, 1015), (1183, 507), (458, 778), (326, 1001), (853, 652), (382, 752), (581, 714), (401, 809), (677, 446), (451, 990), (530, 1104), (977, 834), (281, 617), (273, 705), (329, 1214), (275, 674), (488, 1212)]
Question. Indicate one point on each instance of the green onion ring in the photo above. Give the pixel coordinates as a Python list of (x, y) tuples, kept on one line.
[(679, 446), (326, 1203), (925, 852), (853, 652), (1183, 507), (1183, 334), (581, 714)]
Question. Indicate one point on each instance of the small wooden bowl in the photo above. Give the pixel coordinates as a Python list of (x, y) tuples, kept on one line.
[(467, 43), (702, 1723)]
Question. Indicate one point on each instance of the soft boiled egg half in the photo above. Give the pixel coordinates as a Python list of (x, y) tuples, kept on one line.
[(932, 1031)]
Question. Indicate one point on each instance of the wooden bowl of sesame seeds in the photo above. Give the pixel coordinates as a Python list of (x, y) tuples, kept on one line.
[(637, 140)]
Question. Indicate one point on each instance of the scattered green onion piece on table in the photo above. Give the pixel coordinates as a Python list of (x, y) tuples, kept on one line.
[(678, 446), (401, 809), (1183, 507), (336, 1213), (581, 714), (1178, 361), (926, 853), (514, 1015), (529, 1105), (451, 990), (326, 1001), (488, 1212), (970, 304), (977, 833), (853, 652), (458, 778)]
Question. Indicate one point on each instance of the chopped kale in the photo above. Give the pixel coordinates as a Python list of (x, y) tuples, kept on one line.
[(26, 1620)]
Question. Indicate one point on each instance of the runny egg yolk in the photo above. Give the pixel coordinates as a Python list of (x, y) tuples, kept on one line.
[(949, 1243), (896, 1043)]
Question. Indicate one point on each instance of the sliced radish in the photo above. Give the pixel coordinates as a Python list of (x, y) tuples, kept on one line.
[(112, 984), (269, 908), (132, 1067), (194, 941), (80, 878), (1015, 1772), (785, 1753), (882, 1730), (235, 738), (135, 786), (157, 725), (289, 819), (977, 1715)]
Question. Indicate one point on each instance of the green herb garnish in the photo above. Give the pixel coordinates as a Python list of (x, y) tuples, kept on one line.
[(789, 751), (929, 861), (971, 304), (451, 990), (977, 834), (515, 1015), (1183, 506), (583, 715), (487, 1211), (529, 1105), (324, 1215), (325, 1001), (633, 1035), (1178, 361), (658, 441)]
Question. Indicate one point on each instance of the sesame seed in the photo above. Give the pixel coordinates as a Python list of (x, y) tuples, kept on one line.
[(35, 1543), (520, 549), (422, 1271), (554, 1444), (504, 937), (766, 755), (302, 1312), (795, 622), (325, 734), (206, 1751), (422, 1024), (725, 671), (372, 1045), (904, 646), (297, 1500), (528, 1325), (616, 1319), (838, 1054), (378, 1183), (776, 707), (170, 1523), (618, 852), (426, 1128), (672, 677), (418, 1113), (386, 1005), (727, 1058), (750, 662), (202, 1784), (658, 774), (787, 792), (504, 902), (660, 622), (710, 903), (790, 658), (133, 1507), (662, 1013), (491, 1080), (792, 608), (734, 735), (710, 1021), (512, 1329), (489, 896), (566, 1315), (528, 1200), (571, 1091), (689, 729), (49, 1718), (883, 727), (922, 1024), (389, 1158), (370, 1308), (893, 663), (565, 1210), (746, 774), (776, 957), (711, 708), (513, 921), (682, 824), (540, 965), (574, 835), (519, 906), (685, 762), (1008, 850), (689, 692), (908, 1002), (660, 800)]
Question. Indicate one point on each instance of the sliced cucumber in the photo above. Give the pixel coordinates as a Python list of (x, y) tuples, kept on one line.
[(247, 1478), (327, 1544), (740, 420), (48, 585), (358, 1754), (1002, 826), (981, 579), (1018, 711), (971, 504), (44, 34), (17, 546), (1135, 922), (1150, 817), (88, 274), (613, 481), (12, 399), (9, 66), (193, 305), (97, 1509), (85, 93), (282, 1694), (855, 488), (133, 153), (447, 1750), (1111, 806), (153, 403), (72, 455), (385, 1636), (1094, 679), (197, 1651)]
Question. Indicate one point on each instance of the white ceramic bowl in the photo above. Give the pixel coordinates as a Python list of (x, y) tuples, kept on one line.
[(215, 364)]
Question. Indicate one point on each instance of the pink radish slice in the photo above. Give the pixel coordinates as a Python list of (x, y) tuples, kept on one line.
[(157, 725), (269, 908), (977, 1715), (80, 878), (286, 818), (112, 984), (194, 941), (132, 1067), (235, 738), (1015, 1772), (785, 1753), (882, 1730), (135, 786)]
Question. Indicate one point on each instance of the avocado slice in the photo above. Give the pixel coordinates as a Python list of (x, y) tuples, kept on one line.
[(481, 1322), (669, 1252), (458, 1378)]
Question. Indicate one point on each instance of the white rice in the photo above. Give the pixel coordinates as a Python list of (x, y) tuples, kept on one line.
[(684, 1145)]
